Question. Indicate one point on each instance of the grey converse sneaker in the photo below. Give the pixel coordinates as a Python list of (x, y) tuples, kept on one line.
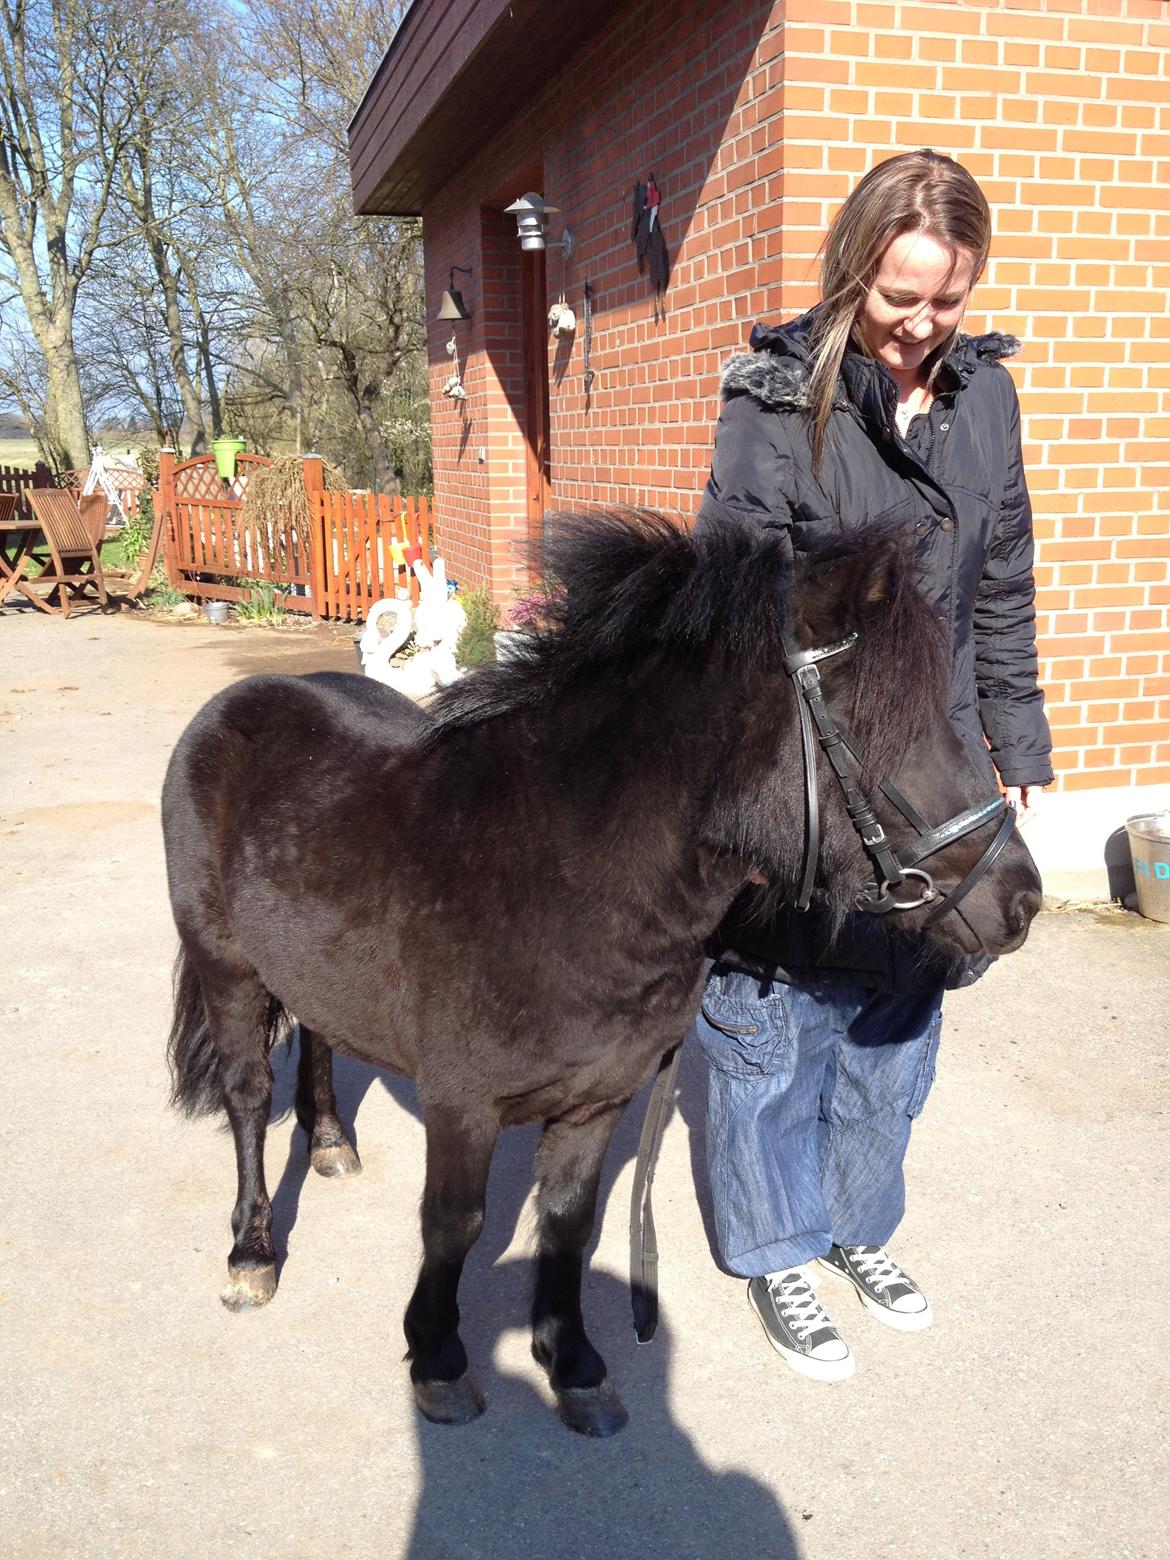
[(797, 1326), (891, 1295)]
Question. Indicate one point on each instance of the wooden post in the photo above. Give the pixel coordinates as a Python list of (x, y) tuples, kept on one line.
[(164, 503), (319, 534)]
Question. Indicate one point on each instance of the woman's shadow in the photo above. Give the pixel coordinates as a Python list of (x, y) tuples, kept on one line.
[(517, 1482)]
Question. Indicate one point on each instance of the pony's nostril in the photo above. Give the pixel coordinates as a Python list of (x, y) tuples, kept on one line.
[(1024, 907)]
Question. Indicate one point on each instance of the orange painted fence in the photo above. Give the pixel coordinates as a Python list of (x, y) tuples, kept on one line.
[(365, 543), (357, 549)]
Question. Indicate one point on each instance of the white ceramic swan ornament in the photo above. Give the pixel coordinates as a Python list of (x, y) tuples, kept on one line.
[(436, 624)]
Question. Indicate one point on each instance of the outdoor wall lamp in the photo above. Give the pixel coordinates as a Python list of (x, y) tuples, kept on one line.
[(530, 211), (452, 306)]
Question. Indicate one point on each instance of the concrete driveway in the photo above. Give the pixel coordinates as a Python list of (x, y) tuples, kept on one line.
[(143, 1419)]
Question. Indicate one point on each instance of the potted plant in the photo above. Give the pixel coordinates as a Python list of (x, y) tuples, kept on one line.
[(225, 449)]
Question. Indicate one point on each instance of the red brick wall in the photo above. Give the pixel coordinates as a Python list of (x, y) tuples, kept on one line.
[(656, 90), (1062, 111), (757, 120)]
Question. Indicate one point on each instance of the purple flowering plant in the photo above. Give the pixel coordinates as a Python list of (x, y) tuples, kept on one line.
[(530, 612)]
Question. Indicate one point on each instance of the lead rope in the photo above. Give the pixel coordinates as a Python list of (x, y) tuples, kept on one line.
[(643, 1237)]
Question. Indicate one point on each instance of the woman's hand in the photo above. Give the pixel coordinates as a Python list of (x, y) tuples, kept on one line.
[(1024, 800)]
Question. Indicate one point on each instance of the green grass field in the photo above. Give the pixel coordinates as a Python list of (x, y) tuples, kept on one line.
[(24, 452), (19, 452)]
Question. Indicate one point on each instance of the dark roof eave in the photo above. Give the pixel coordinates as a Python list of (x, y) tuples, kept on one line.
[(437, 92)]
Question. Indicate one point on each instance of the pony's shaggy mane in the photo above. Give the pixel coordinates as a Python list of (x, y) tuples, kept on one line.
[(631, 585), (624, 583)]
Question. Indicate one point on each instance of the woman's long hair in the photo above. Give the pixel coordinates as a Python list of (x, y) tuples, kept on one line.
[(916, 192)]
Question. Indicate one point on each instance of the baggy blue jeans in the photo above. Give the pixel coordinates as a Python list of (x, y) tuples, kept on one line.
[(811, 1091)]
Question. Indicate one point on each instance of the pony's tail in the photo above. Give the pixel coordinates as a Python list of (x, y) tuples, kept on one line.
[(196, 1074), (196, 1083)]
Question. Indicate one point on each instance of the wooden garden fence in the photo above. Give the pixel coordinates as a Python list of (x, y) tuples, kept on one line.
[(365, 543), (16, 479), (357, 549)]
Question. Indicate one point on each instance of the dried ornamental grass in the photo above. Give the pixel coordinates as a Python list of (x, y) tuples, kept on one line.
[(276, 504)]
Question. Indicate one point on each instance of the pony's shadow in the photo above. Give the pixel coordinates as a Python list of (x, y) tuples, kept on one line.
[(512, 1175), (517, 1483)]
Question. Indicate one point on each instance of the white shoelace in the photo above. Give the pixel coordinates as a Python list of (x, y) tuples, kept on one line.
[(798, 1304), (877, 1269)]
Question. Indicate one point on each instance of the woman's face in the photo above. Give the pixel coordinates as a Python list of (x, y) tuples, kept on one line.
[(917, 299)]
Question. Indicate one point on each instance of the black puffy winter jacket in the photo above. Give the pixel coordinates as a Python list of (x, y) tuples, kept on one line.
[(957, 482)]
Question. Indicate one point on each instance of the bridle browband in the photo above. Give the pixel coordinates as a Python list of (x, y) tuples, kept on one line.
[(891, 867)]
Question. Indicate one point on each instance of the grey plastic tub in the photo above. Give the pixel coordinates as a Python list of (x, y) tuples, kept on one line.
[(1149, 846)]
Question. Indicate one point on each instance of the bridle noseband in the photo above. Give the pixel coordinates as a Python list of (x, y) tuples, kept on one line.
[(891, 867)]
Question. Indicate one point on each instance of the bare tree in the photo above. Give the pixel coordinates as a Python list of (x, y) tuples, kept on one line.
[(318, 57), (367, 322), (180, 234), (338, 298), (73, 76), (158, 234)]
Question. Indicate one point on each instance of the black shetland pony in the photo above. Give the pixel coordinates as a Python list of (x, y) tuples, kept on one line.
[(505, 895)]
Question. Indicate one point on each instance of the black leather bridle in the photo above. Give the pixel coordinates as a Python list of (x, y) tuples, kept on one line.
[(891, 867)]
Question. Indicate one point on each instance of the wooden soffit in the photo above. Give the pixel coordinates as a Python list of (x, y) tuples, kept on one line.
[(456, 73)]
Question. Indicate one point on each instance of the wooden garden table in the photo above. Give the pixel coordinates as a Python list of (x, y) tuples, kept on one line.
[(22, 542)]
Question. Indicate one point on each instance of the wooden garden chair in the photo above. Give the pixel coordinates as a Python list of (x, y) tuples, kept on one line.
[(74, 567), (137, 583), (95, 511)]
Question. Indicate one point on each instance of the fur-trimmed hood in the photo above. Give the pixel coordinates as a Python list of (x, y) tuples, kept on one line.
[(778, 368)]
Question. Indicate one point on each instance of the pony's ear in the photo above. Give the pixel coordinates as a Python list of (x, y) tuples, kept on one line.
[(854, 586), (843, 593), (876, 582)]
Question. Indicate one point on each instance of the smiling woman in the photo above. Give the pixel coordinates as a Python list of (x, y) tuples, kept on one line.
[(899, 265), (870, 408), (916, 302)]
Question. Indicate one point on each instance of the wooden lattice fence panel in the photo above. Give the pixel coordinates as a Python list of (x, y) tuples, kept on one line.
[(213, 552), (350, 559)]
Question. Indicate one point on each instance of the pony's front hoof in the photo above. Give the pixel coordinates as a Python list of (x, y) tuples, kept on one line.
[(248, 1288), (593, 1410), (336, 1159), (450, 1402)]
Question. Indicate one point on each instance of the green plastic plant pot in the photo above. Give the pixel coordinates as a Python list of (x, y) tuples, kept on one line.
[(225, 451)]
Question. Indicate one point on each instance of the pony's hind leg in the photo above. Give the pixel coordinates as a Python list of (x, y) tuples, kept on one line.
[(330, 1150), (569, 1166), (237, 1019), (459, 1153)]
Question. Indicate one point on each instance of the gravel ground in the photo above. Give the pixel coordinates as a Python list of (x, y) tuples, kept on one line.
[(144, 1420)]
